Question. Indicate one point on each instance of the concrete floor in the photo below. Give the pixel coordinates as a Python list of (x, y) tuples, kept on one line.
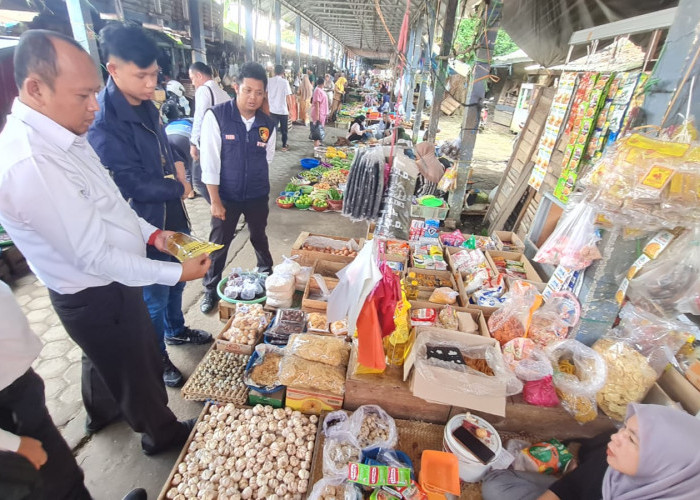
[(112, 459)]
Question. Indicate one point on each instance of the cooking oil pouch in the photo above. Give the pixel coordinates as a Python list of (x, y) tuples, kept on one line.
[(184, 246)]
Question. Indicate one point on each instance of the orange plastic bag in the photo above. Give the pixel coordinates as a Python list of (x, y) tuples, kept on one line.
[(370, 349)]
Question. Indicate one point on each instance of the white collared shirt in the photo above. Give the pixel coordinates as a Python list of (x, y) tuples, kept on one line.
[(19, 347), (202, 102), (277, 92), (65, 213), (210, 148)]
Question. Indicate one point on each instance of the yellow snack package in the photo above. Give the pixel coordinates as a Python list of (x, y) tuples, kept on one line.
[(184, 246)]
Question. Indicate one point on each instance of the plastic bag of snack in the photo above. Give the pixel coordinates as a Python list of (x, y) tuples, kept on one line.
[(339, 327), (573, 242), (453, 239), (443, 295), (335, 488), (289, 266), (305, 374), (372, 427), (338, 451), (551, 322), (336, 423), (332, 351), (423, 317), (540, 392), (185, 246), (513, 319), (263, 374), (670, 285), (317, 323), (302, 278), (579, 373), (548, 457), (280, 283), (448, 318)]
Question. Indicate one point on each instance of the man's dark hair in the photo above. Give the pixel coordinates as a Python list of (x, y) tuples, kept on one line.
[(253, 70), (202, 68), (128, 43), (170, 110), (36, 53), (279, 69)]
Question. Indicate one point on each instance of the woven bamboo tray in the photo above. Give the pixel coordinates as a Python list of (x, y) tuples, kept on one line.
[(236, 394)]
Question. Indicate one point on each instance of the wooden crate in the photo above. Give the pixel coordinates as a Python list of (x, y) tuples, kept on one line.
[(508, 241), (308, 257), (222, 344), (226, 310), (314, 305), (183, 452), (328, 268), (189, 394)]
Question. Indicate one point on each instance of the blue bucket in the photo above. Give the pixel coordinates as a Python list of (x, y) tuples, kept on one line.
[(309, 163)]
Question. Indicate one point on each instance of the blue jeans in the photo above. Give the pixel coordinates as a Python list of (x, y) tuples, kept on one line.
[(165, 307)]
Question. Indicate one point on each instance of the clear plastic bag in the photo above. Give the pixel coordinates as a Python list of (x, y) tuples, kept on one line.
[(573, 242), (551, 322), (321, 243), (513, 319), (488, 377), (670, 285), (443, 295), (372, 427), (304, 374), (526, 360), (338, 452), (249, 290), (302, 278), (579, 372), (448, 182), (336, 423), (335, 488), (289, 265), (263, 373), (333, 351), (281, 283)]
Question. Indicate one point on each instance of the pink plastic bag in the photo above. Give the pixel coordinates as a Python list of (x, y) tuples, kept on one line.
[(540, 392)]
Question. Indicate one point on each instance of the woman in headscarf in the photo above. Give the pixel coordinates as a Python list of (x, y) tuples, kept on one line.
[(653, 456), (305, 91), (319, 108), (356, 132)]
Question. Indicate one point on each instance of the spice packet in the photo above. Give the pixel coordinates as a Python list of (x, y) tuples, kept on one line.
[(184, 246), (378, 475)]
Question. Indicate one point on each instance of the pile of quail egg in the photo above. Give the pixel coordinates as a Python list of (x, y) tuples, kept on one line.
[(247, 453), (219, 377)]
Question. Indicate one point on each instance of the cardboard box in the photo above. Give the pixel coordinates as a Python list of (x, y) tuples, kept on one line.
[(532, 275), (693, 374), (308, 257), (226, 310), (311, 304), (483, 243), (312, 402), (228, 346), (328, 268), (441, 385), (508, 241), (426, 291), (476, 314), (680, 389), (275, 399)]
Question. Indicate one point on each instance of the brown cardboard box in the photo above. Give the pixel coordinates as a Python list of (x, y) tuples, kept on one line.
[(308, 257), (680, 389), (228, 346), (328, 268), (437, 384), (532, 275), (693, 374), (508, 241), (476, 314)]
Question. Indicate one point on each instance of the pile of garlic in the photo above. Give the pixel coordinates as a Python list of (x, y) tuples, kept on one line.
[(251, 453)]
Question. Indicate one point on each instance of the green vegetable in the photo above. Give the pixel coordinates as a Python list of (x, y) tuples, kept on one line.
[(335, 195), (291, 187)]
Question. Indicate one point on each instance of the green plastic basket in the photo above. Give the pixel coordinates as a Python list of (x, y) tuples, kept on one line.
[(220, 291)]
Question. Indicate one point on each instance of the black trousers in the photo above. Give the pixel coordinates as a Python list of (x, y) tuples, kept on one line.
[(197, 183), (23, 412), (223, 232), (281, 122), (122, 365)]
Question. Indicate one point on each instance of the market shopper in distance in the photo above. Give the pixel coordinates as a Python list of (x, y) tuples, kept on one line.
[(207, 94), (277, 91), (131, 142), (237, 146), (83, 240)]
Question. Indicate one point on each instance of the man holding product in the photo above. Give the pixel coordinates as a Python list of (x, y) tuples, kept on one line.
[(130, 140), (83, 240)]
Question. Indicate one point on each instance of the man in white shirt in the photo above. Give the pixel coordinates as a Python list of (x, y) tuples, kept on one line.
[(207, 94), (35, 460), (277, 91), (83, 240)]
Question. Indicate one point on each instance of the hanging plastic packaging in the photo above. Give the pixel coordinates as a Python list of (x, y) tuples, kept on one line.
[(513, 319), (395, 218), (573, 242)]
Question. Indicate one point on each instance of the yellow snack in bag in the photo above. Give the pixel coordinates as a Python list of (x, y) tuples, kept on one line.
[(184, 246)]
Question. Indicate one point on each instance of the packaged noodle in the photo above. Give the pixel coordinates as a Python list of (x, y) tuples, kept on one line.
[(304, 374), (184, 246), (332, 351)]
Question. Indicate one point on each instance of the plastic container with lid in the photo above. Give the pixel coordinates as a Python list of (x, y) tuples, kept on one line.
[(471, 470)]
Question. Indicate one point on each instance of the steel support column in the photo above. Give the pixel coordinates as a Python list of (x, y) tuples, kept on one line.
[(278, 32), (199, 49), (475, 96), (83, 30), (441, 76), (249, 41), (298, 42), (311, 44), (425, 71)]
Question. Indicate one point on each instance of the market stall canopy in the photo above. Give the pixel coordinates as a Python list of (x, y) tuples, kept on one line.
[(357, 24), (542, 28)]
